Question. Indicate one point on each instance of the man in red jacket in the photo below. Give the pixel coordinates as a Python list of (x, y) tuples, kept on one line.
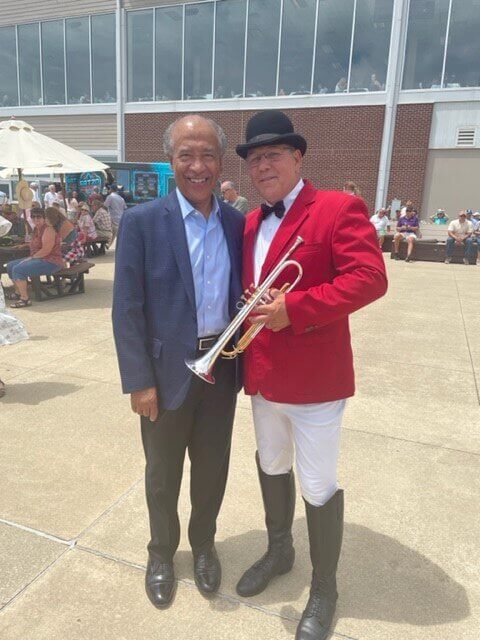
[(299, 369)]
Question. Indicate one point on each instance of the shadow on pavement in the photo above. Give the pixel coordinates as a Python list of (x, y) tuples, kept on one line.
[(380, 578), (34, 393), (98, 295)]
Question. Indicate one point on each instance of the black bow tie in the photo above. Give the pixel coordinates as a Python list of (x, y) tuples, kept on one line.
[(278, 209)]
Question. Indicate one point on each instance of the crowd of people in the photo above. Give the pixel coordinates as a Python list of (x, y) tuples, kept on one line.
[(405, 224), (57, 231)]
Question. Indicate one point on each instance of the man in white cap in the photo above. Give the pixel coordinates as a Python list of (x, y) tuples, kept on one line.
[(460, 232)]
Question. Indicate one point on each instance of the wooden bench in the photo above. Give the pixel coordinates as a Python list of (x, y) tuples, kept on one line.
[(432, 251), (66, 282), (95, 248)]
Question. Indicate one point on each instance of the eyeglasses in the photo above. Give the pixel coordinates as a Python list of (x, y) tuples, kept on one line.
[(270, 156)]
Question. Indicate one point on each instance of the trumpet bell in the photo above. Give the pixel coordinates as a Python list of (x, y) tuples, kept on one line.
[(202, 367)]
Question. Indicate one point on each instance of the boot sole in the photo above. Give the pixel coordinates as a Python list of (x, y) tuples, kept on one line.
[(282, 572)]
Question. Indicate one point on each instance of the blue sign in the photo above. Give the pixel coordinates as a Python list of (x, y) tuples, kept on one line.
[(88, 181)]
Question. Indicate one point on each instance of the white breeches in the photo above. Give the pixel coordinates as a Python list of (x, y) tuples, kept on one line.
[(312, 431)]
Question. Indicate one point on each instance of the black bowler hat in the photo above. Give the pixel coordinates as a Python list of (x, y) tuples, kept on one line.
[(270, 127)]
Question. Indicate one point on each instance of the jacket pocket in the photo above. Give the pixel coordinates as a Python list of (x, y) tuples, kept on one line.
[(156, 347), (307, 248), (313, 336)]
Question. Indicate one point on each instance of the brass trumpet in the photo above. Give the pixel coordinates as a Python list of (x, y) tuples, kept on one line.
[(203, 366)]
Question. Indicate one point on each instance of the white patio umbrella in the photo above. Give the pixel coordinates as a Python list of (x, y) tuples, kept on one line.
[(23, 148)]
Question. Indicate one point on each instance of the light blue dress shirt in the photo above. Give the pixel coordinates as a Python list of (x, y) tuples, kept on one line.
[(210, 262)]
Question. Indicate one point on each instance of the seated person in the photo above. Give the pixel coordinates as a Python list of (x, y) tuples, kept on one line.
[(381, 223), (85, 224), (407, 229), (460, 231), (375, 84), (439, 217), (341, 85), (476, 223), (95, 195), (18, 224), (72, 248), (102, 221), (476, 229), (59, 207), (45, 258)]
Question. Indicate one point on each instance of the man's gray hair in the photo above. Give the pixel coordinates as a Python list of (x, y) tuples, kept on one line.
[(168, 135)]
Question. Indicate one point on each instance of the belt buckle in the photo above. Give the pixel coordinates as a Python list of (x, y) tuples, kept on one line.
[(203, 344)]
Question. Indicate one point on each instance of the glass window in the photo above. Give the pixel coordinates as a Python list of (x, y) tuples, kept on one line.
[(29, 64), (78, 61), (8, 68), (298, 33), (229, 48), (334, 35), (198, 51), (104, 58), (373, 24), (140, 56), (53, 63), (427, 24), (262, 47), (168, 53), (462, 67)]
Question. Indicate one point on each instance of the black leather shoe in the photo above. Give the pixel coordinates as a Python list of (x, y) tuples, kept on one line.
[(160, 583), (277, 561), (207, 571)]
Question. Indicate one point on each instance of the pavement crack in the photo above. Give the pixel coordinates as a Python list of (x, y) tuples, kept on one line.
[(191, 584), (476, 382), (45, 570), (110, 508), (38, 532)]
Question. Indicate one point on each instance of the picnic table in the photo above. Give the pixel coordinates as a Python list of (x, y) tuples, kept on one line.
[(13, 252)]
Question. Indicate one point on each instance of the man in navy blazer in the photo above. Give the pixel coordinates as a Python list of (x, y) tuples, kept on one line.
[(177, 282)]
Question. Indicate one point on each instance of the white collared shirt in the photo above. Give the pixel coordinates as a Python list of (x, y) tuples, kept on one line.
[(267, 230)]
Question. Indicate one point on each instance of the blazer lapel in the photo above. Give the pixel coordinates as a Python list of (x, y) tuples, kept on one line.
[(230, 238), (234, 244), (178, 240), (286, 231), (251, 229)]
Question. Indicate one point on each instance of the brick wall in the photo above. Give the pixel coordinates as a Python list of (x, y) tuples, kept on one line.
[(410, 152), (343, 144)]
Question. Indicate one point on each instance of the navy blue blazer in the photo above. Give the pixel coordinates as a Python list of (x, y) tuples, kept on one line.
[(154, 311)]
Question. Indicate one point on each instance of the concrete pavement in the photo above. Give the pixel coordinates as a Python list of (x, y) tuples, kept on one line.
[(73, 523)]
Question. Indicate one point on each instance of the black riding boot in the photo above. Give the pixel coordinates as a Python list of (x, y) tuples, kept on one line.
[(279, 502), (325, 531)]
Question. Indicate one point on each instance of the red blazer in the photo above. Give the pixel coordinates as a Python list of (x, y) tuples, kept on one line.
[(343, 270)]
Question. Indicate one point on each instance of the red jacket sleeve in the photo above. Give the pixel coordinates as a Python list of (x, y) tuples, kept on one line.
[(360, 273)]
